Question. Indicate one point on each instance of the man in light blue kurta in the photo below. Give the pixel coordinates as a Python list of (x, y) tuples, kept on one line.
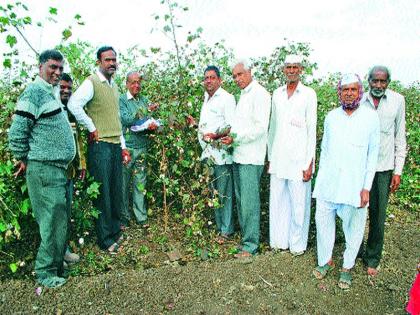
[(349, 153)]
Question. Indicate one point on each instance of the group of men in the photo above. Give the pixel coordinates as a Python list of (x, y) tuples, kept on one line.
[(43, 138), (362, 156)]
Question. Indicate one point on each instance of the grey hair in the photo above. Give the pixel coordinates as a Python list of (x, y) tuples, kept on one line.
[(132, 72), (245, 62), (379, 68)]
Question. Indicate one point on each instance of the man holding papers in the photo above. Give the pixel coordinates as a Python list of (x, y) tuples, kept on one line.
[(133, 109)]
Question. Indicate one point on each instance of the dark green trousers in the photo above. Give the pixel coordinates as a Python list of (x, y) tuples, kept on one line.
[(246, 179), (223, 183), (134, 184), (378, 202), (105, 165), (47, 192)]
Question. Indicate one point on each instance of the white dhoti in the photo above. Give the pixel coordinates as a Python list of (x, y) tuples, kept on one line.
[(290, 212), (353, 220)]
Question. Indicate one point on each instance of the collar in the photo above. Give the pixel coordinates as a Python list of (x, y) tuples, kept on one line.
[(217, 93), (44, 84), (129, 96), (103, 79), (298, 87), (355, 113), (368, 97), (249, 87)]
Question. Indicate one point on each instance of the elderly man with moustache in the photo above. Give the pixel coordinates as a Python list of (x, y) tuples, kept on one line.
[(215, 120), (134, 106), (106, 146), (41, 139), (390, 107), (291, 153), (249, 135), (349, 153)]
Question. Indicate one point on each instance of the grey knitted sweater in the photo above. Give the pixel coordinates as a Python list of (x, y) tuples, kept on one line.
[(40, 130)]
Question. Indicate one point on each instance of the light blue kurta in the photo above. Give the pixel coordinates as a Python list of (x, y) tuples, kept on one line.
[(349, 153)]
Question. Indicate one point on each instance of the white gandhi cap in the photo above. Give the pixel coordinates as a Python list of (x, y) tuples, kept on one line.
[(290, 59), (349, 78)]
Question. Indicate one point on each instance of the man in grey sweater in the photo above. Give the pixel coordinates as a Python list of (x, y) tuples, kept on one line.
[(41, 139)]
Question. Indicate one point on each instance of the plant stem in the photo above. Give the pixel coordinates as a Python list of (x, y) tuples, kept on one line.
[(26, 40)]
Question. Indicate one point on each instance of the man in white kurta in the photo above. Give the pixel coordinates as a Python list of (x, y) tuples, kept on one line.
[(215, 119), (249, 135), (349, 153), (291, 153)]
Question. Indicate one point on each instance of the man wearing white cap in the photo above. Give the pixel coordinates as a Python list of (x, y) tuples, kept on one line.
[(291, 153), (349, 153)]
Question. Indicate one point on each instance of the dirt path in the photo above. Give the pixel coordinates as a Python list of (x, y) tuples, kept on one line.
[(272, 283)]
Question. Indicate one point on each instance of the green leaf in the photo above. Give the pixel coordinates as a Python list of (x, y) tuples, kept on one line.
[(11, 40), (23, 188), (53, 11), (3, 227), (27, 20), (13, 267), (25, 205), (77, 16), (93, 189), (66, 34), (4, 20), (7, 63)]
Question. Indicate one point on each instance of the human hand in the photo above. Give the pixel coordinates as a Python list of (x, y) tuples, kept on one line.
[(190, 121), (226, 140), (21, 168), (395, 182), (307, 174), (93, 136), (126, 157), (152, 126), (152, 107), (209, 136), (364, 198)]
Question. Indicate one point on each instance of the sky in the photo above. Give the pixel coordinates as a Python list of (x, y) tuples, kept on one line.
[(346, 36)]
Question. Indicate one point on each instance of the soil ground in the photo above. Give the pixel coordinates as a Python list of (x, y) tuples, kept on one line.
[(270, 283)]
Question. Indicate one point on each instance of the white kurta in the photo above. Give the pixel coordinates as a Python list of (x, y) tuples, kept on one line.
[(291, 149), (292, 132), (250, 125), (216, 113)]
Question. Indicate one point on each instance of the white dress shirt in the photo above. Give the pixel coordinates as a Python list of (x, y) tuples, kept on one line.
[(217, 112), (292, 132), (349, 153), (393, 147), (250, 124), (81, 97)]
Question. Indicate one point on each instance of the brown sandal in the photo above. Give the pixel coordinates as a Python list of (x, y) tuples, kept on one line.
[(243, 254)]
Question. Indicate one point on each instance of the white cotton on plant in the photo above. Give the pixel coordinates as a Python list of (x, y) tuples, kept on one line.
[(81, 241)]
